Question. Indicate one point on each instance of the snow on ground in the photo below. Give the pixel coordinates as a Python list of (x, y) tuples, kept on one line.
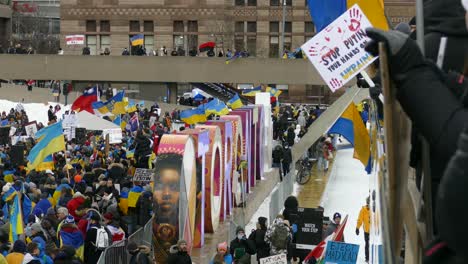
[(35, 111), (346, 193)]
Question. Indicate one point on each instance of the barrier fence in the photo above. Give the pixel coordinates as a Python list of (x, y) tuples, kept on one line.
[(117, 253), (281, 192)]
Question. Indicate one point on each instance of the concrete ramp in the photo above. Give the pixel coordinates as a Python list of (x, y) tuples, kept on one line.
[(327, 119)]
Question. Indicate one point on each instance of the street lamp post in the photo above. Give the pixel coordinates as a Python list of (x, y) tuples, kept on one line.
[(282, 32)]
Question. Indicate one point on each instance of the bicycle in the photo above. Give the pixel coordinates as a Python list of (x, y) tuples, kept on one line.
[(304, 171)]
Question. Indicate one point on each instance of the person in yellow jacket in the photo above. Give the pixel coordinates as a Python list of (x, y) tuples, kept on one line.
[(364, 220)]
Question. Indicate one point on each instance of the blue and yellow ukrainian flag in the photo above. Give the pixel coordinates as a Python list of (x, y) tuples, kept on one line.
[(117, 120), (130, 154), (193, 116), (16, 219), (47, 164), (115, 105), (133, 195), (235, 102), (216, 107), (351, 127), (273, 91), (51, 140), (9, 195), (123, 202), (252, 92), (137, 40)]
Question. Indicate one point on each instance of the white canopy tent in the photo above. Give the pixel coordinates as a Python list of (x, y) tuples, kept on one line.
[(93, 122)]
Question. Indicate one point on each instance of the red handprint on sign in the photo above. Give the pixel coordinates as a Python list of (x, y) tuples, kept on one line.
[(335, 83), (355, 17)]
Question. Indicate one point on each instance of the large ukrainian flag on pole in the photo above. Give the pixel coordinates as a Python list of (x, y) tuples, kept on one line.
[(51, 140), (351, 127), (216, 107), (115, 105), (252, 92), (137, 40)]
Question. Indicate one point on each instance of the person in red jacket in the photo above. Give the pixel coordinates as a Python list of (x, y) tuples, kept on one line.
[(74, 204)]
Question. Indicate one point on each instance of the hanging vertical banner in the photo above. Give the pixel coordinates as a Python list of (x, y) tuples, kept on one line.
[(337, 52)]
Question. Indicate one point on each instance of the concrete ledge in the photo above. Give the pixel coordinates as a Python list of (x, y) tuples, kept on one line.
[(158, 69)]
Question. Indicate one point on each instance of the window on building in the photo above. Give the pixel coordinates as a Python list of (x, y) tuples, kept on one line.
[(91, 42), (192, 26), (309, 27), (252, 46), (239, 44), (288, 27), (192, 42), (148, 26), (240, 2), (178, 42), (149, 42), (252, 2), (252, 26), (274, 26), (55, 26), (134, 26), (178, 26), (91, 26), (287, 43), (274, 47), (239, 27), (289, 2), (104, 26), (105, 42), (274, 2)]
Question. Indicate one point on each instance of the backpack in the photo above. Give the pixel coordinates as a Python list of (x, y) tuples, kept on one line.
[(102, 238), (280, 237)]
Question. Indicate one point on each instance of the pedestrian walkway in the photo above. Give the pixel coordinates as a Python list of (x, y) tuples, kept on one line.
[(310, 194)]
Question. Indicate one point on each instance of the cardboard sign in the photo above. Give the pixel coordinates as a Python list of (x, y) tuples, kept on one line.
[(143, 175), (75, 39), (337, 52), (31, 129), (276, 259), (70, 120), (309, 223), (341, 253)]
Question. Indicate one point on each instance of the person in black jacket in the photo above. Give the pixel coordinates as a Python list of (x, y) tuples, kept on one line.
[(287, 159), (278, 154), (91, 251), (144, 206), (258, 237), (240, 245), (291, 136), (290, 209), (142, 149), (179, 254)]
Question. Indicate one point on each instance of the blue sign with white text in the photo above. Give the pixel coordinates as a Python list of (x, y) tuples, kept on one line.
[(341, 253)]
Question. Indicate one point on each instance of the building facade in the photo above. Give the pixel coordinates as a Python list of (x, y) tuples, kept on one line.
[(5, 22), (255, 26)]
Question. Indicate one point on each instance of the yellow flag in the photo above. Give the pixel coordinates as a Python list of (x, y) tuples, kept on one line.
[(374, 10)]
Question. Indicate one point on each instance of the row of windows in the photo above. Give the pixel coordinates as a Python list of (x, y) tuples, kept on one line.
[(192, 26), (190, 42), (254, 2)]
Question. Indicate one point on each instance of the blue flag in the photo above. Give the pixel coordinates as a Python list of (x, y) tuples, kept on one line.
[(323, 12)]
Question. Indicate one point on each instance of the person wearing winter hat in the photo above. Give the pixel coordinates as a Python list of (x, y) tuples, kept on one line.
[(39, 238), (223, 254), (179, 254), (43, 205), (70, 235), (240, 245), (116, 232), (333, 226), (258, 237), (93, 247), (17, 254), (140, 254)]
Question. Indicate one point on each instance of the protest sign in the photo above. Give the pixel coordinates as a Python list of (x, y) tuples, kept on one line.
[(341, 253), (337, 52), (276, 259), (31, 129), (70, 120), (143, 175), (75, 39), (309, 223)]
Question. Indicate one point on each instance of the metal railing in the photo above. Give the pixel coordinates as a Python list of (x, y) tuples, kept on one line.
[(281, 192), (117, 253)]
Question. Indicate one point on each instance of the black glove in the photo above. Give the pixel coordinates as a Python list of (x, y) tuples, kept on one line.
[(357, 231), (403, 53)]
